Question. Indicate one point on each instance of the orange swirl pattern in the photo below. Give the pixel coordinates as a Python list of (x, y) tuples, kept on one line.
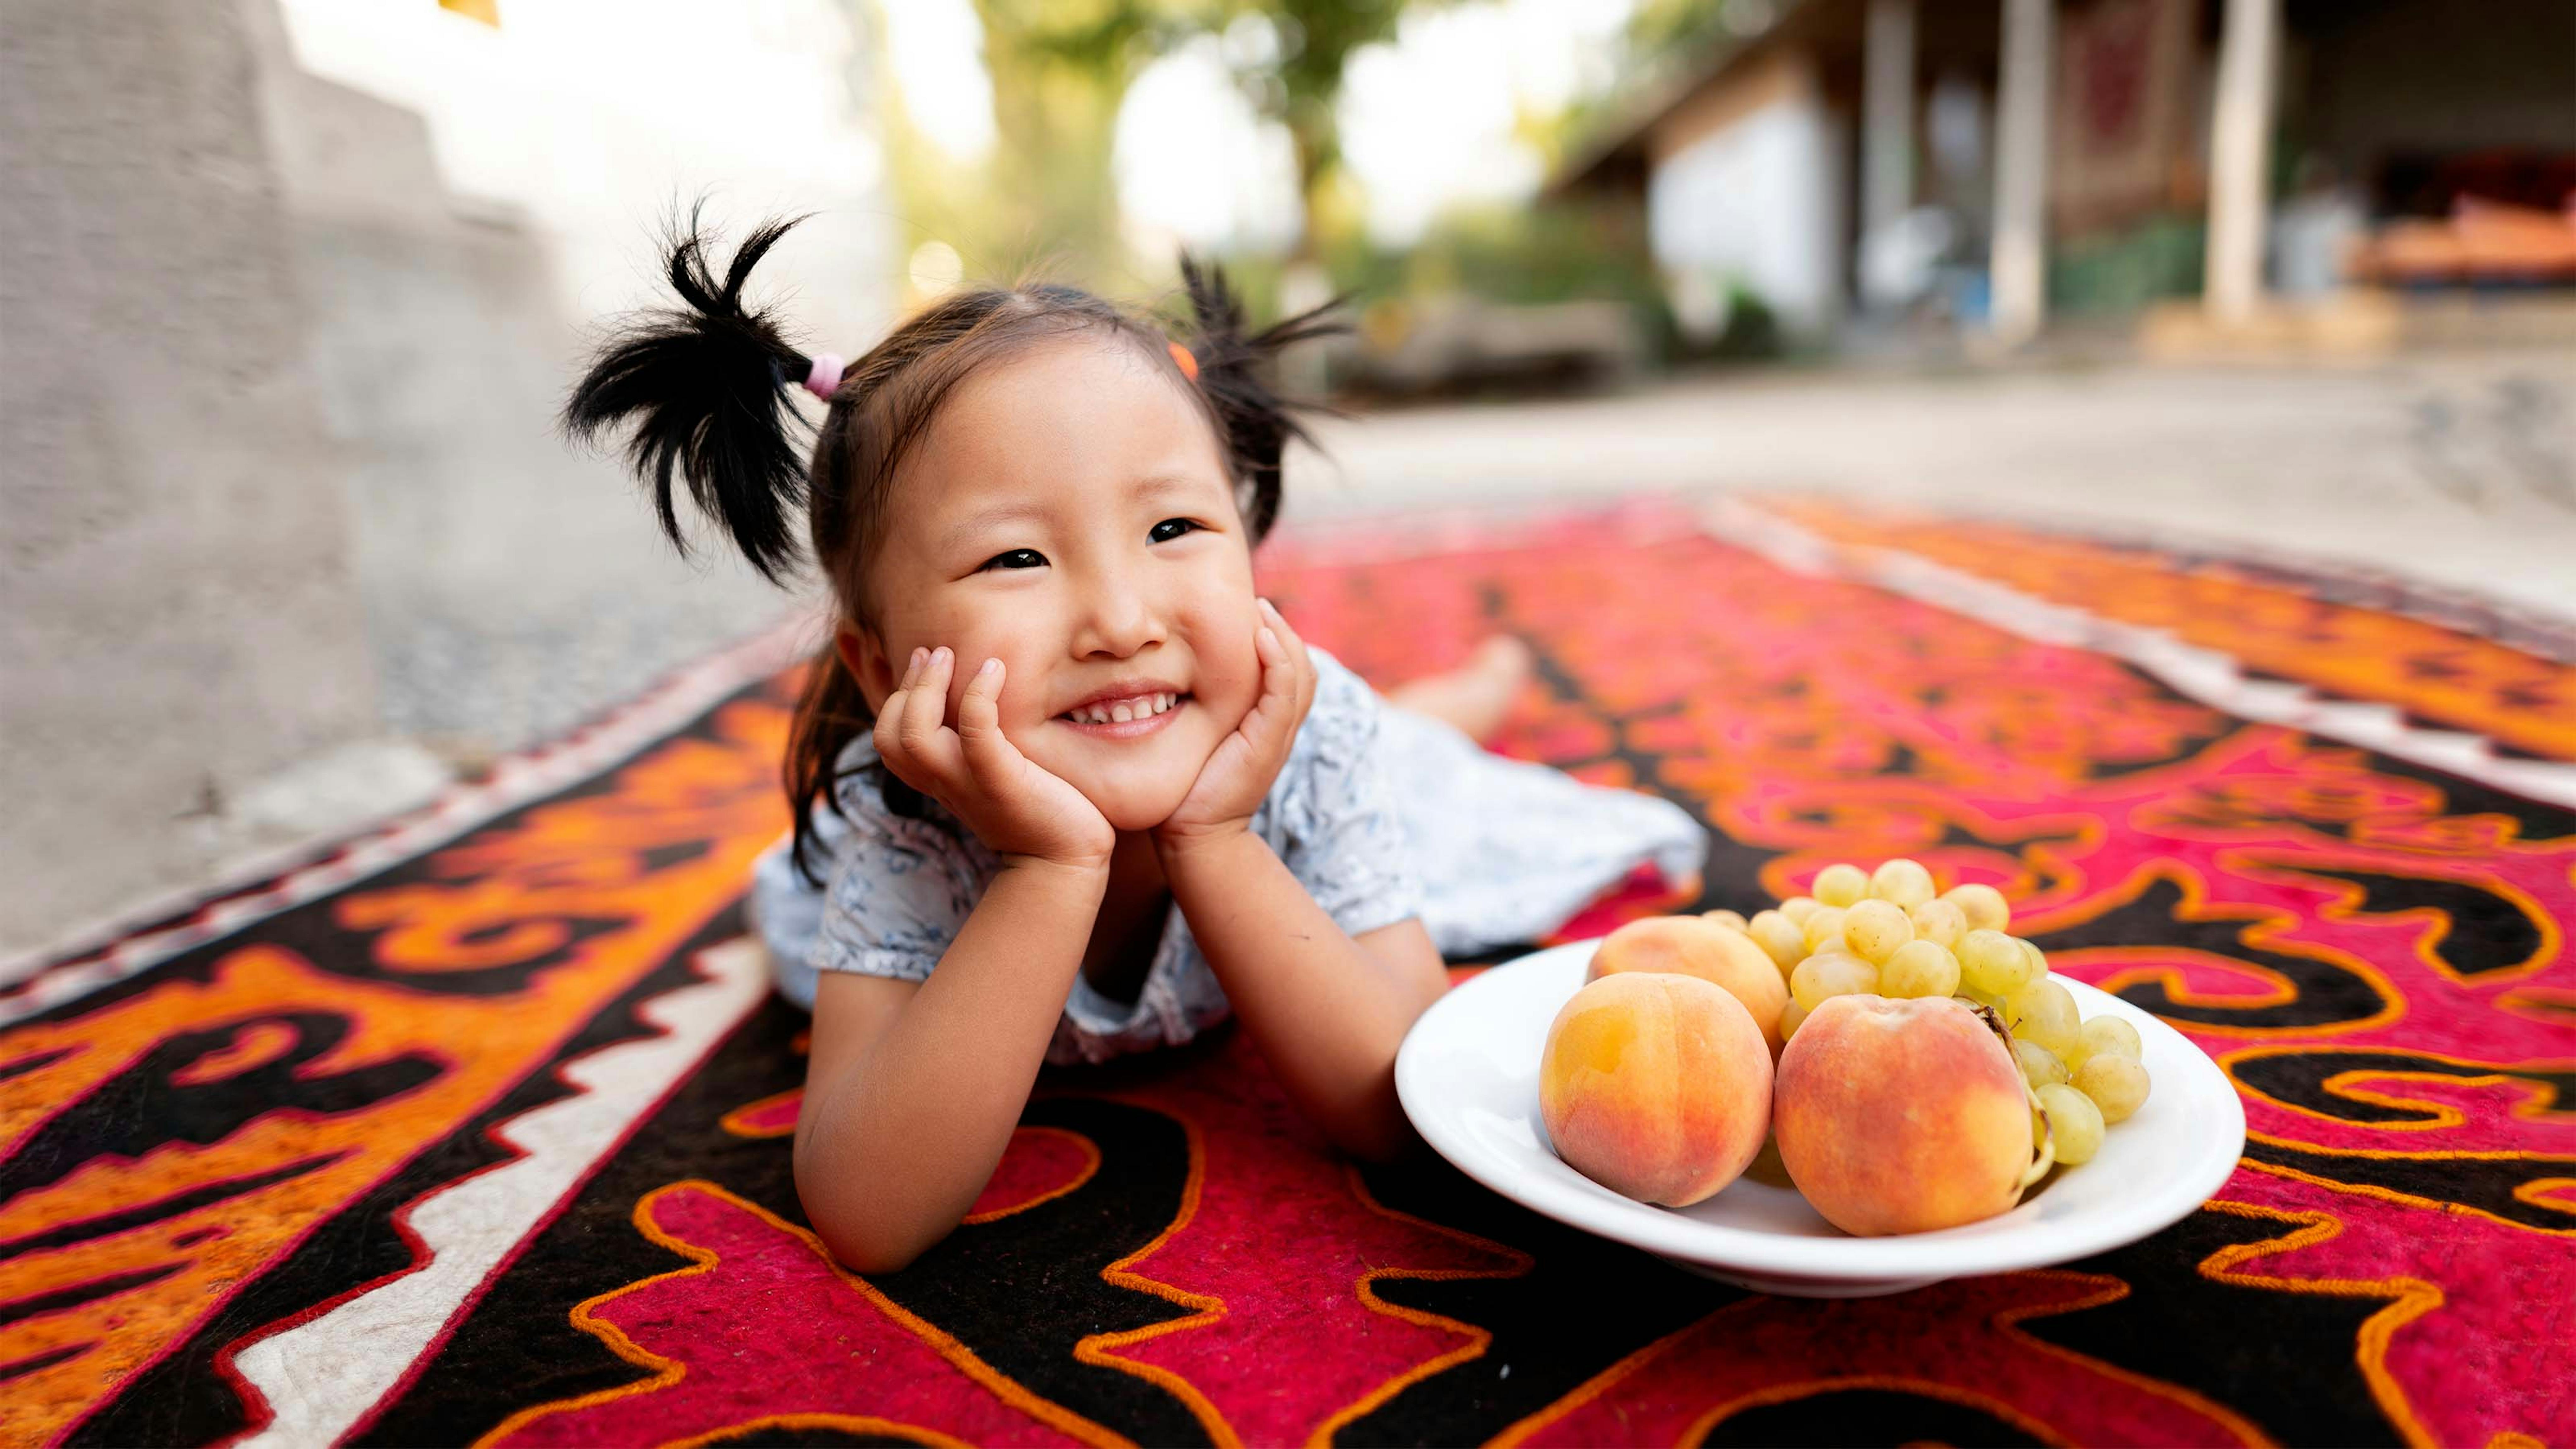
[(2346, 650), (164, 1145)]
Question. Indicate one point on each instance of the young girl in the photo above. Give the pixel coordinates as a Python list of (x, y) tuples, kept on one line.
[(1063, 786)]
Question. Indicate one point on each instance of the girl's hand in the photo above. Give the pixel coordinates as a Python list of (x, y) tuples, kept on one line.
[(1022, 813), (1238, 776)]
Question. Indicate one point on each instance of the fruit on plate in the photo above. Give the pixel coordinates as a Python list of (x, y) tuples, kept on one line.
[(1658, 1086), (1780, 938), (1693, 946), (1955, 943), (1944, 1066), (1902, 1116)]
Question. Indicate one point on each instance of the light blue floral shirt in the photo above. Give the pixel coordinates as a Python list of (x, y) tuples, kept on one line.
[(898, 890)]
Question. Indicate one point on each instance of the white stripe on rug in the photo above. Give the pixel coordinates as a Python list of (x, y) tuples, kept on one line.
[(323, 1376)]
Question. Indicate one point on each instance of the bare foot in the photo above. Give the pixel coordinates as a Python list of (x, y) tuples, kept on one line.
[(1476, 695)]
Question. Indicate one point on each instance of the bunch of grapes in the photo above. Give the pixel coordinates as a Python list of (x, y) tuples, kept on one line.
[(1886, 932)]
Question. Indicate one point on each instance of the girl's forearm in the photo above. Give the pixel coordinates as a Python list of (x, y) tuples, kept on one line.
[(893, 1149), (1326, 1015)]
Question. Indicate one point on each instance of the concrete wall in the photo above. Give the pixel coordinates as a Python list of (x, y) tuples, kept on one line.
[(178, 614), (288, 300), (466, 203), (512, 585)]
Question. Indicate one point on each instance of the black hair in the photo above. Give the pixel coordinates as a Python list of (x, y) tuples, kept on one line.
[(706, 387)]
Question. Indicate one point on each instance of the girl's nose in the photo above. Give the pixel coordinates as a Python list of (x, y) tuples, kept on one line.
[(1117, 622)]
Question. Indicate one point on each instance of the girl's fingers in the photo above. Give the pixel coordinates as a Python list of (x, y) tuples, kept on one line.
[(1276, 712), (925, 712), (888, 729), (1277, 621), (1300, 663), (979, 721), (889, 726)]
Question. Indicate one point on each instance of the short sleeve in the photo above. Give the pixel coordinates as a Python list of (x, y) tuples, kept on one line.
[(1341, 835), (900, 891)]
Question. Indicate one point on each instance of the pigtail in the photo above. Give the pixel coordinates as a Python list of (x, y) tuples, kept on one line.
[(1236, 373), (707, 391)]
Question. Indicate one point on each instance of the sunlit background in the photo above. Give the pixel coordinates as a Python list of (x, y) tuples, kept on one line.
[(293, 289)]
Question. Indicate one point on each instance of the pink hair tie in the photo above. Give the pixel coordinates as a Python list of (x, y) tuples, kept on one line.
[(825, 379)]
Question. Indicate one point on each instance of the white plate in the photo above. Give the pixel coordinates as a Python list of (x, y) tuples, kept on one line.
[(1468, 1075)]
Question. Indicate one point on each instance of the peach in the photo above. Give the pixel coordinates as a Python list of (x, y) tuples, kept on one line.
[(1656, 1086), (1901, 1116), (1693, 946)]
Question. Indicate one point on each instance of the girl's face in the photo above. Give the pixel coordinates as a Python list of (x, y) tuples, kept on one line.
[(1067, 513)]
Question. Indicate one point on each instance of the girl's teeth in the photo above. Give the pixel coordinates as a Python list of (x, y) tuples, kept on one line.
[(1144, 707)]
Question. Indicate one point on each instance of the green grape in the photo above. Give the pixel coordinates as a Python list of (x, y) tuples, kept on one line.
[(2039, 1066), (1731, 920), (1798, 908), (1779, 938), (1841, 885), (2074, 1121), (2117, 1084), (1992, 962), (2038, 958), (1831, 974), (1903, 881), (1874, 929), (2044, 1011), (1919, 968), (1824, 927), (1983, 905), (2110, 1036), (1790, 1016), (1939, 920)]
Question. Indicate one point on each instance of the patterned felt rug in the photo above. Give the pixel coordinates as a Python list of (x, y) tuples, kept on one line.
[(476, 1130)]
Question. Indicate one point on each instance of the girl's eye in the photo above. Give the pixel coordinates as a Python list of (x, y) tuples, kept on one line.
[(1171, 528), (1018, 558)]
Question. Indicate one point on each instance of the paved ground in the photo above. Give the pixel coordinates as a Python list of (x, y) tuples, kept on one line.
[(2457, 469)]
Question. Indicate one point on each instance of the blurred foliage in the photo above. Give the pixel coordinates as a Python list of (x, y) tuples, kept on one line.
[(1043, 201), (1570, 250), (1047, 198), (1560, 253), (1288, 57), (2124, 270), (1663, 39)]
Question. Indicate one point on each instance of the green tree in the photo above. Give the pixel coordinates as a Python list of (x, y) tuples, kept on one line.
[(1292, 76)]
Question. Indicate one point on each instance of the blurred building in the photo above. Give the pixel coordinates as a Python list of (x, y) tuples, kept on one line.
[(1994, 161), (293, 291)]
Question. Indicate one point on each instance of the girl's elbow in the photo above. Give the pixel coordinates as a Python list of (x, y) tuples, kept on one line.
[(870, 1255), (862, 1236), (866, 1247)]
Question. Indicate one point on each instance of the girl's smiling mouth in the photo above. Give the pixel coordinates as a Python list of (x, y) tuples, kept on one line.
[(1126, 712)]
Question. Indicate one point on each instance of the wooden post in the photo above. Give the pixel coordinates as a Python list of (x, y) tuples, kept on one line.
[(2018, 270), (2240, 153), (1887, 124)]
